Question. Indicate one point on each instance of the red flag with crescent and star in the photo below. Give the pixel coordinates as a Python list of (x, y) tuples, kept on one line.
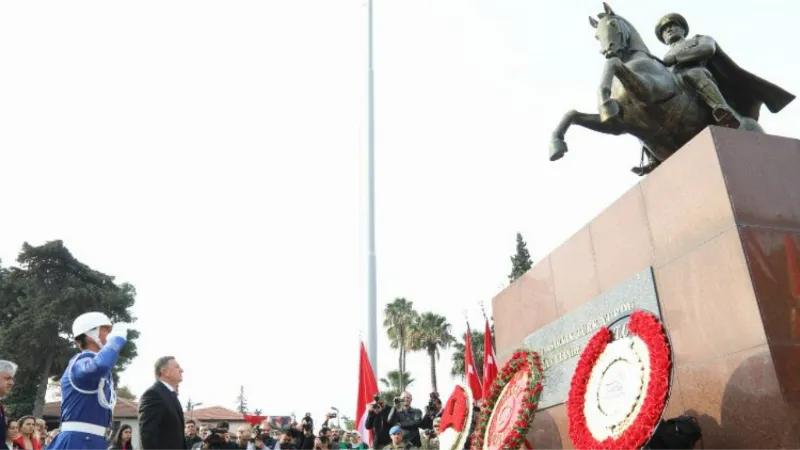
[(473, 381), (367, 388), (489, 361)]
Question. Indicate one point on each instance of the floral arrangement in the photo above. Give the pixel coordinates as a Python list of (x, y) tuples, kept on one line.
[(454, 425), (655, 388), (522, 362)]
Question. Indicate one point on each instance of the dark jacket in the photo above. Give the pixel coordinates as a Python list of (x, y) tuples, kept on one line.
[(190, 441), (161, 419), (427, 420), (379, 424), (409, 420), (3, 428)]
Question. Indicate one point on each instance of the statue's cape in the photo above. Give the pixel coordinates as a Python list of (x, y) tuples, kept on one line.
[(744, 91)]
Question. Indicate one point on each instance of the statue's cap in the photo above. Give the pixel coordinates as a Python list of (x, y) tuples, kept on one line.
[(670, 18)]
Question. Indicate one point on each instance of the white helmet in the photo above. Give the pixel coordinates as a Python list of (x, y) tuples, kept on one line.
[(88, 322)]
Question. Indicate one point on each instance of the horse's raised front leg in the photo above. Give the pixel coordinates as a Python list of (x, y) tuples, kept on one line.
[(558, 147), (635, 84)]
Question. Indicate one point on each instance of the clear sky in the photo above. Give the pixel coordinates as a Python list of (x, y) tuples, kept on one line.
[(214, 155)]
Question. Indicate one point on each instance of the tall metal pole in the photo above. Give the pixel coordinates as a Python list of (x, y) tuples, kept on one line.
[(372, 298)]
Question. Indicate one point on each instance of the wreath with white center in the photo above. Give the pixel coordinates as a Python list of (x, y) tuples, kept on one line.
[(619, 390)]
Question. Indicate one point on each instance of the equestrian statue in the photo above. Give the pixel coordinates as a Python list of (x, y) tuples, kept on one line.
[(665, 103)]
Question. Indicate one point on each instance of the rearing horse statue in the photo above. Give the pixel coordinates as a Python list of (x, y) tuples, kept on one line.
[(641, 96)]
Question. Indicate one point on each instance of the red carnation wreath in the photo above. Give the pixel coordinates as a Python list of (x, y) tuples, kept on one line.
[(508, 412), (649, 335), (456, 419)]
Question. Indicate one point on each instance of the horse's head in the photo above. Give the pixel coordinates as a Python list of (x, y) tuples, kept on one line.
[(613, 32)]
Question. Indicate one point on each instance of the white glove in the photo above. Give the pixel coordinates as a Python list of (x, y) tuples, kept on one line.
[(119, 329)]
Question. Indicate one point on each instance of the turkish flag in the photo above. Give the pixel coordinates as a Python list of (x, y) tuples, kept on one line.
[(254, 420), (367, 388), (473, 381), (489, 361)]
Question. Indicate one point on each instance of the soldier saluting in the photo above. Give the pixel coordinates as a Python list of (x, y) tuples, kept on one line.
[(725, 87)]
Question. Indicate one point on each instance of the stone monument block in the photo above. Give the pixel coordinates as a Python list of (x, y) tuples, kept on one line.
[(715, 231)]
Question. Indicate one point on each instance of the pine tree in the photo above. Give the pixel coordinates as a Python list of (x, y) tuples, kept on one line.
[(241, 402), (521, 262)]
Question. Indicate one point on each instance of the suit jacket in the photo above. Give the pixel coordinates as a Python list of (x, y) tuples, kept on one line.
[(161, 419)]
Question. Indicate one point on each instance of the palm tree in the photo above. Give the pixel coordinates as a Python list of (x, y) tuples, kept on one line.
[(392, 384), (430, 334), (459, 362), (398, 318)]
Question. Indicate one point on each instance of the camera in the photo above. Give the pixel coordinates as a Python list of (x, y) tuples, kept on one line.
[(429, 433), (398, 400), (307, 423), (433, 404)]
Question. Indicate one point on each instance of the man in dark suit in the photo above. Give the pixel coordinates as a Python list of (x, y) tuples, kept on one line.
[(160, 412), (7, 372)]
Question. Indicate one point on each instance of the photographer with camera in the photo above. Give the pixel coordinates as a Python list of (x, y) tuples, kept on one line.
[(303, 433), (216, 440), (322, 443), (378, 422), (408, 418), (430, 437), (433, 410)]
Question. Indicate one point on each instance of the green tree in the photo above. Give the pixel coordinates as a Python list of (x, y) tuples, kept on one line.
[(459, 361), (430, 334), (398, 318), (125, 392), (521, 261), (241, 401), (394, 384), (39, 300)]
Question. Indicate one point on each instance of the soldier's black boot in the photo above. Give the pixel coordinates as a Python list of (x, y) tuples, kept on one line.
[(722, 113)]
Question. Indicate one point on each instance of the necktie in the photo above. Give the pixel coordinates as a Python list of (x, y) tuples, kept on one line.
[(178, 404)]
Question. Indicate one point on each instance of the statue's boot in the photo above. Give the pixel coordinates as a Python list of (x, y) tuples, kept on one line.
[(723, 114)]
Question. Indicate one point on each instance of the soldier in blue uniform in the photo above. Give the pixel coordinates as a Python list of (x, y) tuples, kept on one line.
[(87, 391)]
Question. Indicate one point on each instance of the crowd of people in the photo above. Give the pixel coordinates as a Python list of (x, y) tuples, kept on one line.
[(88, 401)]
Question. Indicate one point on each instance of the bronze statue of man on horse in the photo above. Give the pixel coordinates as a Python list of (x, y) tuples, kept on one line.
[(665, 102)]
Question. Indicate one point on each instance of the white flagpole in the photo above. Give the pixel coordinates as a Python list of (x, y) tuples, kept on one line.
[(372, 302)]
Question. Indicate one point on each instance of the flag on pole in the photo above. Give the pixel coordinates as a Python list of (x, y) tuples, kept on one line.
[(367, 388), (489, 361), (473, 381)]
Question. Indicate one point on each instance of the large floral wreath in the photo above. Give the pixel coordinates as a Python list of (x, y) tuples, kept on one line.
[(457, 417), (648, 345), (522, 361)]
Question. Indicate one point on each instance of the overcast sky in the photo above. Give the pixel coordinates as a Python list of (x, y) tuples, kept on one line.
[(214, 155)]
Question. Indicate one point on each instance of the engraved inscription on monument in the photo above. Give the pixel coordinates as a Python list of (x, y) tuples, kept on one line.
[(561, 342)]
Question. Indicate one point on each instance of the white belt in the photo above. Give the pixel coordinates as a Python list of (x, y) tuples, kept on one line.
[(84, 427)]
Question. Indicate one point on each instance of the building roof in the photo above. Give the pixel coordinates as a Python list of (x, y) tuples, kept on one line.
[(214, 413), (125, 409)]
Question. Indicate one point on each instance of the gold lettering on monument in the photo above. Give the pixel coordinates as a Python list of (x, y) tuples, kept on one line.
[(554, 353)]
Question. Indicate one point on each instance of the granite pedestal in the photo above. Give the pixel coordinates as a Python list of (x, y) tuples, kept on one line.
[(718, 224)]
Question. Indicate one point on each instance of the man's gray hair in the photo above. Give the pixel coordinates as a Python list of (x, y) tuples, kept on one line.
[(8, 366), (162, 363)]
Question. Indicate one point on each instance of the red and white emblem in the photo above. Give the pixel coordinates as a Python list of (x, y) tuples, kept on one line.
[(456, 419)]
